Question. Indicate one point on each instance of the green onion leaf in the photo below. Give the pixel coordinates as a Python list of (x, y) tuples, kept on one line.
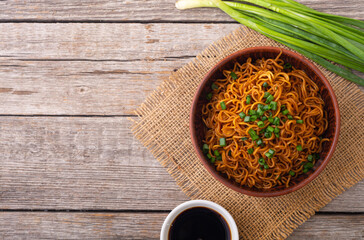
[(264, 118), (266, 108), (292, 173), (269, 99), (223, 105), (205, 147), (270, 119), (216, 153), (253, 118), (267, 134), (287, 66), (299, 121), (267, 94), (276, 121), (260, 112), (253, 134), (261, 161), (214, 86), (242, 115), (273, 105), (209, 156), (290, 117), (276, 130), (252, 112), (285, 112), (222, 142), (310, 158), (308, 165), (209, 96), (299, 148), (271, 151), (270, 129), (277, 135), (266, 166), (248, 99), (259, 142), (305, 170), (233, 76), (247, 119), (250, 150), (260, 124), (244, 138), (265, 84), (219, 158)]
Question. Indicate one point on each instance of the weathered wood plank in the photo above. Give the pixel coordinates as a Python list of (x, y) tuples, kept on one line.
[(45, 225), (92, 163), (92, 68), (142, 10)]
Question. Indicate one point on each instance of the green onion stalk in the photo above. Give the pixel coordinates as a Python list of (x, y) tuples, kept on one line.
[(324, 38)]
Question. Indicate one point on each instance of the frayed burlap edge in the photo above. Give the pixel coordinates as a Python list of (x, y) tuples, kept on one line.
[(324, 188)]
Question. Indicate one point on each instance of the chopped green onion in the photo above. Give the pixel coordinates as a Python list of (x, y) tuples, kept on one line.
[(290, 117), (276, 130), (205, 147), (253, 134), (223, 105), (261, 161), (269, 99), (216, 153), (248, 99), (209, 156), (279, 178), (284, 120), (308, 165), (212, 160), (310, 158), (250, 150), (287, 66), (264, 118), (233, 76), (266, 166), (270, 129), (262, 131), (260, 105), (247, 119), (277, 135), (276, 121), (266, 94), (242, 115), (270, 119), (267, 134), (253, 118), (260, 112), (214, 86), (271, 151), (268, 155), (266, 107), (209, 96), (219, 158), (299, 121), (252, 112), (292, 173), (299, 148), (283, 107), (265, 84), (260, 124), (273, 105), (305, 170), (222, 142), (244, 138), (285, 112), (259, 142)]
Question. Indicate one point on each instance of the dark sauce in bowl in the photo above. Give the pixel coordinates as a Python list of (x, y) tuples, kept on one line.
[(199, 223)]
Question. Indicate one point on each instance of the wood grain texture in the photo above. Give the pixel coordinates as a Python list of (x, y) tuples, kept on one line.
[(45, 225), (92, 163), (142, 10), (82, 69)]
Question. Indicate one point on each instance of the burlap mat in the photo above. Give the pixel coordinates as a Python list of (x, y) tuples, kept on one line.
[(163, 127)]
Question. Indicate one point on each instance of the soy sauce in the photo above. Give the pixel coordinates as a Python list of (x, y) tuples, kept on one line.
[(199, 223)]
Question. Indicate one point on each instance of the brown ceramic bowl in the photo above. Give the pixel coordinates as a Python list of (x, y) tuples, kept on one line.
[(331, 106)]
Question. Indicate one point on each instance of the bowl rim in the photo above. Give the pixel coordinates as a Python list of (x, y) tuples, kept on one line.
[(224, 180)]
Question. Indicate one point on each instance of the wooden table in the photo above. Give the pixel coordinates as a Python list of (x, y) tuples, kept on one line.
[(71, 74)]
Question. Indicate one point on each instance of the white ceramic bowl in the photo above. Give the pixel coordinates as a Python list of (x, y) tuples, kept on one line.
[(199, 203)]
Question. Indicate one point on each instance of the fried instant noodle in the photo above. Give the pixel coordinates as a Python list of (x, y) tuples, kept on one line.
[(264, 123)]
